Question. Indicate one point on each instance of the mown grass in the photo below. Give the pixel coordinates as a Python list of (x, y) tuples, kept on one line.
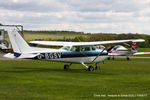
[(46, 80), (30, 36), (35, 36), (143, 49)]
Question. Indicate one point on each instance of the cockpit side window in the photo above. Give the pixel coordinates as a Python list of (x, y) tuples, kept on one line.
[(85, 48), (67, 48), (75, 49), (115, 47), (93, 48)]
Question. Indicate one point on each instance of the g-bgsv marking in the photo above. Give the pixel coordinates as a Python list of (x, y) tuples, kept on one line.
[(55, 55)]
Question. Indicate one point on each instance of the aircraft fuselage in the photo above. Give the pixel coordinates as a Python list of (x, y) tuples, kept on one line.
[(74, 57)]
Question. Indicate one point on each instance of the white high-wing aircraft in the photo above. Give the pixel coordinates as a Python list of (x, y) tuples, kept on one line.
[(71, 52), (120, 50)]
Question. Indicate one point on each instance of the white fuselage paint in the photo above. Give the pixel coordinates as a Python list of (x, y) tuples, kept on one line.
[(119, 53), (86, 60), (59, 56)]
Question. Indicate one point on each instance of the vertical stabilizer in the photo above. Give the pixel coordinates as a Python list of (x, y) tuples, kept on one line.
[(134, 47), (18, 43)]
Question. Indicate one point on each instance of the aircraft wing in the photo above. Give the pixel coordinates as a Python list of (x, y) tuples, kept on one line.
[(141, 53), (61, 43)]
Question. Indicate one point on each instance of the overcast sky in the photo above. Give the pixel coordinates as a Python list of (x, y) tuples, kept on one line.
[(117, 16)]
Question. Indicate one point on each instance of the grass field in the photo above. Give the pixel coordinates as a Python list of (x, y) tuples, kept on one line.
[(46, 80), (30, 37), (143, 49)]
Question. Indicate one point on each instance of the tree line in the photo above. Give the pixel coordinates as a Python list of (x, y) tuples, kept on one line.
[(53, 32), (98, 36), (106, 37)]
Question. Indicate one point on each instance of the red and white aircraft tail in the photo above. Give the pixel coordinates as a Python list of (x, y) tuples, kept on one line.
[(134, 50), (134, 47)]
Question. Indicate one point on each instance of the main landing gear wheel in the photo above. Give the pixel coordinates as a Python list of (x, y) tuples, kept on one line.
[(128, 58), (108, 58), (66, 67), (91, 68)]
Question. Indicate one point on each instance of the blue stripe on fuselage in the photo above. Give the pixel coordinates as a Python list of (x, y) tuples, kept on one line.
[(81, 54), (57, 55)]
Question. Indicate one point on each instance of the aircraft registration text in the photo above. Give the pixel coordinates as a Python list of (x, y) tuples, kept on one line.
[(55, 55)]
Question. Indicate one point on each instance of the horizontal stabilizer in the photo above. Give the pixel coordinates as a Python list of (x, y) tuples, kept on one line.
[(27, 55), (9, 55)]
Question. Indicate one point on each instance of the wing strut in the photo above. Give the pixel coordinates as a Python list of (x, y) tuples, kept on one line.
[(98, 55)]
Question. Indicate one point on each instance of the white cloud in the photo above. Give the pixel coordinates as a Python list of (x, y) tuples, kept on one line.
[(79, 15)]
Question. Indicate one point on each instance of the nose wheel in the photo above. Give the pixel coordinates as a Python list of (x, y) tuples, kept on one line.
[(91, 68)]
